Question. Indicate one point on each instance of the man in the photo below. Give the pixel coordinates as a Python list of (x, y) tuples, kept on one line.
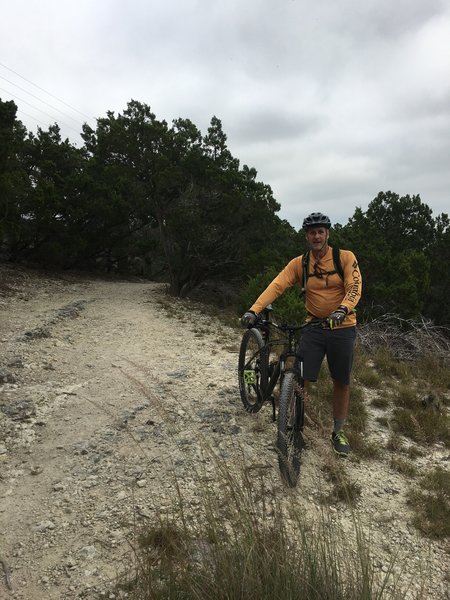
[(327, 296)]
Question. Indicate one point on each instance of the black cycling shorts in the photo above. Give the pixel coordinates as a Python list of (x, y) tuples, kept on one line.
[(336, 344)]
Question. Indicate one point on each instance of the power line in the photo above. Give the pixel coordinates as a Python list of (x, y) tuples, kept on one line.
[(40, 110), (45, 91), (37, 98), (38, 121)]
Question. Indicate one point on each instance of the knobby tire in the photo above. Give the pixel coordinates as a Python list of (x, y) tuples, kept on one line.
[(290, 427), (252, 370)]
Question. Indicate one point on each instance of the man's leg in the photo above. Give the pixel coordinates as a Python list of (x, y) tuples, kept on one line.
[(341, 400), (341, 397), (340, 360)]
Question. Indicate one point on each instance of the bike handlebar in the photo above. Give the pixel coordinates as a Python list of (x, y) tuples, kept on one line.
[(315, 322)]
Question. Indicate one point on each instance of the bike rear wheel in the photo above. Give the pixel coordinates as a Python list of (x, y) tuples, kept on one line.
[(252, 370), (290, 428)]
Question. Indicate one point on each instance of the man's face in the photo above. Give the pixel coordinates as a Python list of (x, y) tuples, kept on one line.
[(317, 237)]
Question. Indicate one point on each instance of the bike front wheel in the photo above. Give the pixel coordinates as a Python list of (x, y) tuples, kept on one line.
[(290, 427), (252, 370)]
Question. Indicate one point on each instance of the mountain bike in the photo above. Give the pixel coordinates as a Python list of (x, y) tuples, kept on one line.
[(261, 366)]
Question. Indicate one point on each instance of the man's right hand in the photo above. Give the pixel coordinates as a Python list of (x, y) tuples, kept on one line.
[(248, 319)]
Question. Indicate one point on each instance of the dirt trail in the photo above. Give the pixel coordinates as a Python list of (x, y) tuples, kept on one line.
[(104, 391)]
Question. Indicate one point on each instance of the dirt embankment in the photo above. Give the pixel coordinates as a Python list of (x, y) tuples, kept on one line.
[(105, 392)]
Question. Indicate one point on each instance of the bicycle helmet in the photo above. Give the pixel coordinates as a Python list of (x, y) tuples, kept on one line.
[(316, 219)]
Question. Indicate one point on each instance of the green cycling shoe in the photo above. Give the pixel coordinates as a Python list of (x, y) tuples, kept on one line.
[(340, 443)]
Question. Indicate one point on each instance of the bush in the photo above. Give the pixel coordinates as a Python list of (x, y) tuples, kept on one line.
[(288, 308)]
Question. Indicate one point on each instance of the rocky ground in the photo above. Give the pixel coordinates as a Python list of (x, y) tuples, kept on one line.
[(108, 389)]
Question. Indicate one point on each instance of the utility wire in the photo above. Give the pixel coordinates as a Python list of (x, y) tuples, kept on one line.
[(45, 91), (37, 98), (40, 110)]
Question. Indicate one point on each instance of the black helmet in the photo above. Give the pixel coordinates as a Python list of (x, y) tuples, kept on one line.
[(316, 219)]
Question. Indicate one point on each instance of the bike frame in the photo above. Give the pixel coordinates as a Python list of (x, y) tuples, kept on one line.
[(270, 380)]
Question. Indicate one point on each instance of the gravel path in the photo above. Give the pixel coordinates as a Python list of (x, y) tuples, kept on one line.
[(106, 389)]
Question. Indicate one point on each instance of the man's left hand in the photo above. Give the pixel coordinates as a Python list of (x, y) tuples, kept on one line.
[(337, 317)]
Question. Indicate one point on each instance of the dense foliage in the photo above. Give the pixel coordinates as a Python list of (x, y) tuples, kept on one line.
[(165, 201), (402, 252)]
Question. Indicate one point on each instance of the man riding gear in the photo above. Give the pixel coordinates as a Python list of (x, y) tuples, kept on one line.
[(248, 319), (316, 219), (340, 443), (336, 318)]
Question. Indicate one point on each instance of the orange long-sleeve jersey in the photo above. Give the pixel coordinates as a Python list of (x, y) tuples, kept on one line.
[(324, 293)]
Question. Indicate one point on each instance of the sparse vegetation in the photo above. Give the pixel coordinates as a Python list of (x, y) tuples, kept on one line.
[(264, 549), (414, 452), (358, 415), (405, 396), (380, 402), (389, 366), (431, 503), (363, 447), (369, 377), (179, 554), (344, 489), (424, 427), (416, 379), (395, 443), (403, 466)]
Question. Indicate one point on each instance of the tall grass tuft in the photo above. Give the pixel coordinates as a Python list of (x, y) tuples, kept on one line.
[(368, 376), (422, 426), (247, 538), (431, 503), (386, 364)]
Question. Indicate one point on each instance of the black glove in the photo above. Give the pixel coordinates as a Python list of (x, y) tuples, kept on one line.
[(336, 318), (248, 319)]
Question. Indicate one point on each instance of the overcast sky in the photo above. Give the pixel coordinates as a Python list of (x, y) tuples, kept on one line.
[(330, 101)]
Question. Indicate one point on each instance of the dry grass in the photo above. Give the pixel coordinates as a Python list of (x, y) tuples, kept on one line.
[(362, 448), (242, 542), (344, 489), (369, 377), (380, 402), (404, 467), (407, 339), (395, 443), (422, 426), (405, 396), (389, 366), (431, 503)]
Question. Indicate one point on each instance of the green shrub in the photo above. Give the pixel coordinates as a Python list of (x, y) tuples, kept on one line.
[(288, 308)]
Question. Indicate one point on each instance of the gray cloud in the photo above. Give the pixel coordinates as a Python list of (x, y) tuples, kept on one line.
[(331, 103)]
